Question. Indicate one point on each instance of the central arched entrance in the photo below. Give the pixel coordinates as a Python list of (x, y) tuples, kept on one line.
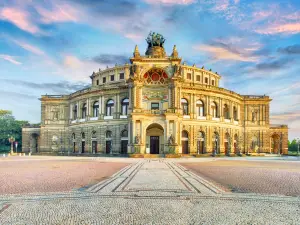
[(155, 138)]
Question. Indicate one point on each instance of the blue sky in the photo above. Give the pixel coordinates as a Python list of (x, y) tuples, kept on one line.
[(53, 46)]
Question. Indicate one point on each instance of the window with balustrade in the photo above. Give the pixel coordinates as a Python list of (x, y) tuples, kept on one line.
[(226, 111), (185, 106), (83, 111), (124, 106), (109, 107), (96, 109), (235, 114), (75, 112), (214, 109), (200, 108)]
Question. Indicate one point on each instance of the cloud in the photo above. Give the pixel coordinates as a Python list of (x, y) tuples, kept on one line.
[(170, 2), (273, 65), (292, 49), (111, 59), (29, 47), (10, 59), (289, 88), (284, 28), (20, 18), (18, 96), (222, 51), (58, 13), (62, 87)]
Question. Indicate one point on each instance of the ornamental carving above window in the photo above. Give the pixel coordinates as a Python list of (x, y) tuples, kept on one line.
[(155, 76)]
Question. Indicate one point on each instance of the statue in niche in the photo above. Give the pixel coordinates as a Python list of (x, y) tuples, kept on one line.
[(55, 113), (171, 140), (137, 139), (254, 114), (170, 70)]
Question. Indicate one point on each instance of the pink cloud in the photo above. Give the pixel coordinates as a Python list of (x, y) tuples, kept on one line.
[(284, 28), (59, 13), (170, 2), (20, 18), (220, 53), (10, 59), (29, 47)]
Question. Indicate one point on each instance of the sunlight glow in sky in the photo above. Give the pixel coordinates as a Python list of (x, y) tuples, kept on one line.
[(53, 46)]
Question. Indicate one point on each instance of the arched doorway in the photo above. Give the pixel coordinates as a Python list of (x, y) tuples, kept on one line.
[(94, 142), (201, 143), (235, 143), (74, 142), (185, 142), (108, 145), (254, 144), (82, 142), (124, 141), (275, 143), (227, 143), (216, 143), (155, 138), (34, 142)]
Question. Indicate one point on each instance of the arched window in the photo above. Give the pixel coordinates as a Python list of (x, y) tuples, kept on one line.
[(109, 107), (184, 134), (185, 106), (235, 113), (96, 109), (94, 134), (213, 108), (226, 111), (124, 133), (108, 134), (155, 76), (83, 135), (200, 108), (124, 105), (75, 112), (73, 136), (83, 111)]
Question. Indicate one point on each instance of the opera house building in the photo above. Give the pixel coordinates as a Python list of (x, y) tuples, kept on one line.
[(156, 104)]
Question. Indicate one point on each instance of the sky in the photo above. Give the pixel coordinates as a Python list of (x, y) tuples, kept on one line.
[(53, 46)]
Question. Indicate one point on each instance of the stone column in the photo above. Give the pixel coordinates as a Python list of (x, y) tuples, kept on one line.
[(129, 133), (207, 108), (87, 108), (103, 105), (170, 96), (100, 107), (130, 97), (78, 110), (71, 111)]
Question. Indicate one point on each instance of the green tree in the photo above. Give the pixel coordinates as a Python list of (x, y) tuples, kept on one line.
[(9, 126), (293, 146)]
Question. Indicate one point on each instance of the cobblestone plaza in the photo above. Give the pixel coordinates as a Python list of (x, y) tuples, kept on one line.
[(153, 191)]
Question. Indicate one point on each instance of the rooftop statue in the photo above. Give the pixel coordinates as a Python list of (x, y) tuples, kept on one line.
[(155, 39)]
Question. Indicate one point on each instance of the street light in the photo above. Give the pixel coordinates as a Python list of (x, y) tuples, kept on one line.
[(216, 145), (11, 140), (298, 141)]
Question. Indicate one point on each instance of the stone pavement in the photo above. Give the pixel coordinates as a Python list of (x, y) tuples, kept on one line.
[(150, 192)]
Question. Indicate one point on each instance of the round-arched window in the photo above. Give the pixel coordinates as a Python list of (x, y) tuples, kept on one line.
[(155, 76)]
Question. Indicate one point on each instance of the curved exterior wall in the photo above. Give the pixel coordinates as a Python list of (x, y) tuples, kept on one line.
[(163, 114)]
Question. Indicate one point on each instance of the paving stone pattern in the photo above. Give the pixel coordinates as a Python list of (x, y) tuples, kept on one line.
[(150, 192)]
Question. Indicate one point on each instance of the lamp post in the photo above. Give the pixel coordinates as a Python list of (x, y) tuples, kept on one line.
[(215, 147), (280, 145), (298, 141), (11, 140)]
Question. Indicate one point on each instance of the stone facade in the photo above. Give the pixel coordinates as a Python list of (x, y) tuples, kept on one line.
[(155, 104)]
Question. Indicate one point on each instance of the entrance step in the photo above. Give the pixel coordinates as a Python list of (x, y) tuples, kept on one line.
[(153, 156)]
